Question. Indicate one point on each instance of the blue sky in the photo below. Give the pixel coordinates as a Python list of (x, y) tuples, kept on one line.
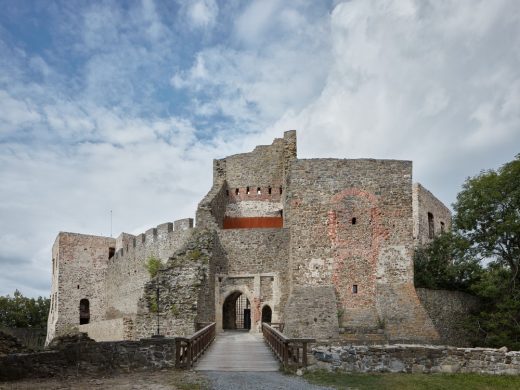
[(122, 106)]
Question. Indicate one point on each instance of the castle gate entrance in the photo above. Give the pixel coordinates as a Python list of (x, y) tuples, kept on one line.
[(236, 312)]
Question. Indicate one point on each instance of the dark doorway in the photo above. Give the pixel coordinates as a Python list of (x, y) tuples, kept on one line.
[(84, 311), (236, 312), (267, 314)]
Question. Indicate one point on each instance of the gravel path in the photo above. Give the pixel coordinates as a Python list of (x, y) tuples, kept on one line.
[(256, 381)]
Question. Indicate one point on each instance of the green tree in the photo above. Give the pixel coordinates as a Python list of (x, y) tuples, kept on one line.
[(22, 312), (487, 214), (445, 264)]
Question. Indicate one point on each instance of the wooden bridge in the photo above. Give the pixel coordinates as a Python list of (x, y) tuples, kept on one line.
[(241, 350)]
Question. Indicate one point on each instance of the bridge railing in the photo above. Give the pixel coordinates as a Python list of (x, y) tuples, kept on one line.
[(189, 349), (292, 352)]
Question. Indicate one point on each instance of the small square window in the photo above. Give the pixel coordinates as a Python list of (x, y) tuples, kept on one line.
[(354, 289)]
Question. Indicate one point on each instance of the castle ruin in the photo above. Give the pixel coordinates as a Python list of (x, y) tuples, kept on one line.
[(322, 245)]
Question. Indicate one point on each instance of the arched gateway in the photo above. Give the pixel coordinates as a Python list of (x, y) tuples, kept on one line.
[(236, 312)]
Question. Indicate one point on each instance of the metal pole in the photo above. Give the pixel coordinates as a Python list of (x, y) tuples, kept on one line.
[(157, 299)]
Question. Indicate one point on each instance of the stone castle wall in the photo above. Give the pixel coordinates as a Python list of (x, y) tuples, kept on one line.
[(416, 359), (351, 228), (79, 265), (127, 273), (450, 312), (110, 330), (254, 262), (425, 202), (248, 184), (90, 358), (185, 286)]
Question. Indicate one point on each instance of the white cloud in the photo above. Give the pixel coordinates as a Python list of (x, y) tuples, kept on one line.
[(434, 82), (15, 113), (200, 14)]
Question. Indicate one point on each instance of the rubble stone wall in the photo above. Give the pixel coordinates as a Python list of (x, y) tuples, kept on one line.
[(450, 312), (425, 202), (79, 267), (351, 227), (185, 290), (110, 330), (416, 359), (127, 273), (90, 358)]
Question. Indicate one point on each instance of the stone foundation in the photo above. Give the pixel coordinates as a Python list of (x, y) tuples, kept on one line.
[(416, 359), (90, 358)]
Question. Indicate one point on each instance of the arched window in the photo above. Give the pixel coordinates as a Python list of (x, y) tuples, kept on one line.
[(84, 311), (267, 314)]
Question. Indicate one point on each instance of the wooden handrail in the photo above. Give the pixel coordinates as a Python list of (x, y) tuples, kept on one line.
[(292, 352), (189, 349)]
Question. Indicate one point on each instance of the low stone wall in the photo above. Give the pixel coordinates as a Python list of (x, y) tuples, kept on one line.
[(110, 330), (90, 358), (450, 312), (416, 359)]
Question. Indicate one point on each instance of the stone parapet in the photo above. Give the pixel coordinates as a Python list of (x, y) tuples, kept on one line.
[(90, 358), (414, 358)]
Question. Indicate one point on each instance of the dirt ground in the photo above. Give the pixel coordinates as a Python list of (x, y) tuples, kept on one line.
[(158, 380)]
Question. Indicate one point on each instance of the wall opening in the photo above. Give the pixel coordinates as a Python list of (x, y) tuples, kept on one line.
[(442, 227), (84, 311), (237, 191), (258, 191), (236, 312), (267, 314), (252, 222), (247, 190), (354, 220), (354, 289), (269, 190), (111, 252), (431, 226)]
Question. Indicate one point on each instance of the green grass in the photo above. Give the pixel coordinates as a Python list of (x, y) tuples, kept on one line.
[(413, 381)]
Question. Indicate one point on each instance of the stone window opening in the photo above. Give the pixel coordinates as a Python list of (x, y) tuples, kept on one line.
[(267, 314), (431, 226), (84, 311), (237, 191), (354, 289), (269, 190), (111, 252), (258, 191), (247, 190), (442, 227), (280, 190), (227, 192), (78, 286), (354, 220)]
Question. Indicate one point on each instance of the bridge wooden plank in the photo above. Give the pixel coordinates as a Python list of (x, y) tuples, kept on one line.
[(238, 351)]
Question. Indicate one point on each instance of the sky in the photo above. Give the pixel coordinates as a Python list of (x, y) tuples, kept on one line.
[(123, 105)]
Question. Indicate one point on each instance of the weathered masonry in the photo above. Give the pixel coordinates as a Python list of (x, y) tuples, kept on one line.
[(323, 245)]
